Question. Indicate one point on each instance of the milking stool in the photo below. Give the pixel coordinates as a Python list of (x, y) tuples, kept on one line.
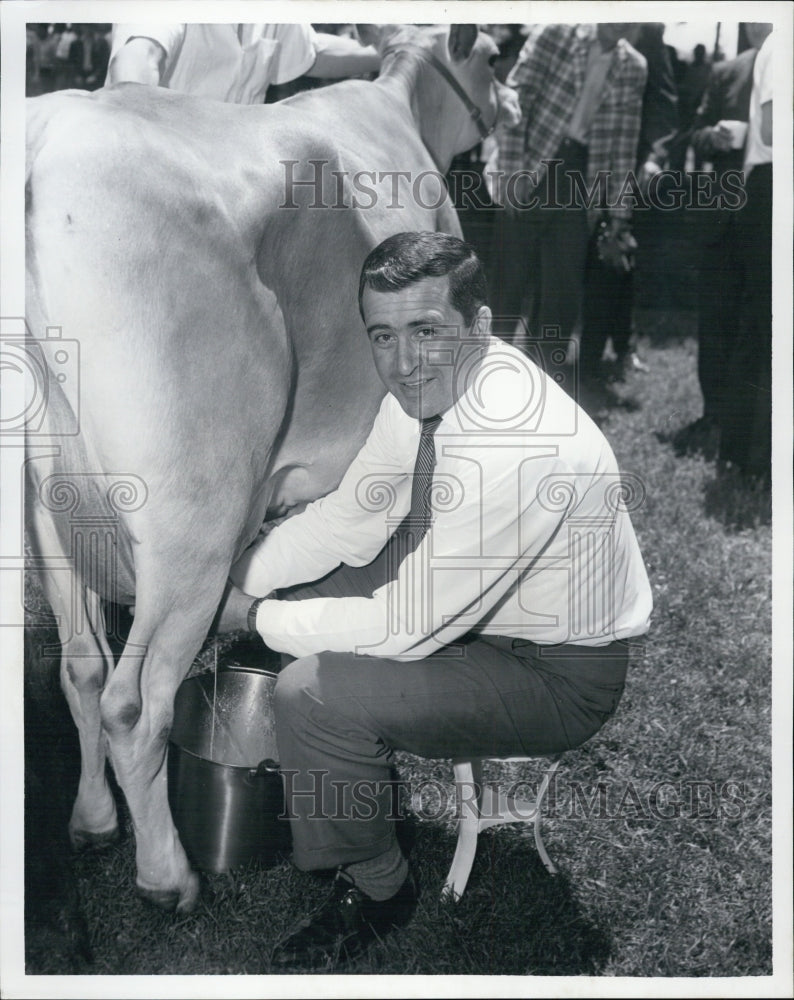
[(484, 805)]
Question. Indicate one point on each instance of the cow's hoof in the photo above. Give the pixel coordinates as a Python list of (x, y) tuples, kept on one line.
[(163, 899), (172, 899), (84, 841)]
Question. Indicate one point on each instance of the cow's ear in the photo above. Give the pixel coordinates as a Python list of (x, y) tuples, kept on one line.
[(377, 35), (461, 41)]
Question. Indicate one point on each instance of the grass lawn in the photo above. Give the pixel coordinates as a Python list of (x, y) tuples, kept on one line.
[(660, 826)]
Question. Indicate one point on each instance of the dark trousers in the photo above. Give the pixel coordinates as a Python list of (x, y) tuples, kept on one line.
[(340, 716), (720, 284), (539, 254), (606, 310), (746, 438)]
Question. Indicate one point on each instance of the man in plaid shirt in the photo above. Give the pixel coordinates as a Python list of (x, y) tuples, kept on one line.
[(564, 166)]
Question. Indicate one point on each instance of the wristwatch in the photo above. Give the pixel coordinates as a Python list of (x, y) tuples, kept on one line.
[(251, 619)]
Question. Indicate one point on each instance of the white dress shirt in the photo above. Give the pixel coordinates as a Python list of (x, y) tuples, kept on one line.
[(756, 150), (228, 62), (530, 538)]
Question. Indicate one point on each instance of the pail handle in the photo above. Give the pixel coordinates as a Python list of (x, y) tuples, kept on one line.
[(264, 768)]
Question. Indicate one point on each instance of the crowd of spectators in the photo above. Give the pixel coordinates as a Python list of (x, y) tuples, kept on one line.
[(62, 56)]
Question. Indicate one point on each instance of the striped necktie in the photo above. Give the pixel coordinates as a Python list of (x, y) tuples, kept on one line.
[(420, 516)]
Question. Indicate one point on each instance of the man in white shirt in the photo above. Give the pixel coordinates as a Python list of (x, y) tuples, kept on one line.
[(231, 62), (758, 149), (497, 626)]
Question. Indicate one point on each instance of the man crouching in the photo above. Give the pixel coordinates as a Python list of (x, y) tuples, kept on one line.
[(476, 579)]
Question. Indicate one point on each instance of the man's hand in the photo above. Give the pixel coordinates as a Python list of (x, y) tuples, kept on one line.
[(720, 138), (139, 61), (232, 614), (646, 171), (509, 106)]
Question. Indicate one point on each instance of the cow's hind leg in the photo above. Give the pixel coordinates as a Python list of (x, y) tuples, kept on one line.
[(137, 713), (86, 663), (93, 823)]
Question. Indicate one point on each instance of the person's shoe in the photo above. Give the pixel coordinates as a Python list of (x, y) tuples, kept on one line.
[(342, 927)]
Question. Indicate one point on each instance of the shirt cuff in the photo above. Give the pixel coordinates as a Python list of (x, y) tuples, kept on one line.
[(167, 36), (267, 623)]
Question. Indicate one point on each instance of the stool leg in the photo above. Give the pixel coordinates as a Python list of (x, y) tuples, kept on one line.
[(468, 788), (551, 868)]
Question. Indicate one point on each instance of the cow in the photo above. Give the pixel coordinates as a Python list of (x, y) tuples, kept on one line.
[(202, 259)]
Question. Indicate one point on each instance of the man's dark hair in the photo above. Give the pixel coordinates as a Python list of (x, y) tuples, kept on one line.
[(404, 258)]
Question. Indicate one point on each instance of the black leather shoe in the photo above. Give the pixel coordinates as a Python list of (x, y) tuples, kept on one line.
[(342, 927)]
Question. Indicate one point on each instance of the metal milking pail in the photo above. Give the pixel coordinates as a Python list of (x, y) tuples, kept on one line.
[(224, 786)]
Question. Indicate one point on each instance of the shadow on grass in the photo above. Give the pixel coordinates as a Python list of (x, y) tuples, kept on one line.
[(662, 327), (737, 502), (513, 919), (598, 397), (700, 437)]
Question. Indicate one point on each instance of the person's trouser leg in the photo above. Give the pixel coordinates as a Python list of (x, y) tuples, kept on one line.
[(623, 304), (512, 269), (747, 432), (720, 279), (339, 716), (540, 251), (606, 311), (561, 226), (562, 263)]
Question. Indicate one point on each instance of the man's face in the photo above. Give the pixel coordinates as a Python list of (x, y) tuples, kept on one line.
[(421, 344)]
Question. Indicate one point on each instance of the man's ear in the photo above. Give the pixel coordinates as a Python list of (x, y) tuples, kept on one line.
[(461, 41), (481, 327)]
